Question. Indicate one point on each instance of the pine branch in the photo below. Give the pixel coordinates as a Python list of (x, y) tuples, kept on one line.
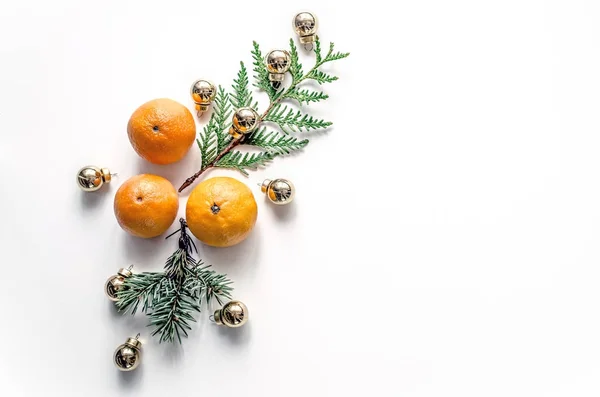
[(244, 161), (171, 316), (290, 121), (275, 143), (207, 284), (140, 288), (172, 298)]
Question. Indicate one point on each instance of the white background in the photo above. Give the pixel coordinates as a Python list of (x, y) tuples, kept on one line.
[(445, 236)]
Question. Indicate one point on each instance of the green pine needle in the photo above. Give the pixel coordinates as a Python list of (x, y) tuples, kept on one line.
[(171, 316), (205, 284), (142, 289)]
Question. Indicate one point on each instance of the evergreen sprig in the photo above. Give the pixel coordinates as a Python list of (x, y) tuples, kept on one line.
[(295, 65), (307, 96), (321, 77), (290, 120), (242, 96), (261, 75), (244, 161), (275, 143), (171, 298), (215, 138), (217, 146)]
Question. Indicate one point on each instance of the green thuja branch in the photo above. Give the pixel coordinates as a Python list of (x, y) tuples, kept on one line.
[(293, 121), (171, 298), (217, 145), (261, 75), (275, 143), (307, 96), (242, 96), (243, 161)]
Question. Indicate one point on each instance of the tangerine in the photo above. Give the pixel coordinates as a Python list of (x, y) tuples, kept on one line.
[(161, 131), (146, 205), (221, 211)]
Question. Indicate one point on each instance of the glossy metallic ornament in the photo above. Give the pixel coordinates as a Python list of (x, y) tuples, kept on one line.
[(234, 314), (203, 92), (127, 357), (115, 283), (91, 178), (277, 63), (305, 25), (245, 120), (279, 191)]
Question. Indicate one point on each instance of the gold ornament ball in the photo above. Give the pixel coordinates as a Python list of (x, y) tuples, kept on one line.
[(278, 63), (233, 315), (305, 25), (91, 178), (203, 93), (279, 191), (128, 356), (115, 283), (245, 120)]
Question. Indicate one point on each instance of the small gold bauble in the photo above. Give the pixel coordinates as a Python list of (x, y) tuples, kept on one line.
[(233, 315), (115, 283), (305, 25), (203, 93), (279, 191), (127, 357), (91, 178), (245, 120), (277, 63)]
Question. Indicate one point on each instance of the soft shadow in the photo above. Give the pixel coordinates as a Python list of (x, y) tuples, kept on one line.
[(314, 133), (237, 260), (284, 213), (173, 352), (88, 200), (132, 379), (236, 336), (112, 308), (312, 84), (138, 322)]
